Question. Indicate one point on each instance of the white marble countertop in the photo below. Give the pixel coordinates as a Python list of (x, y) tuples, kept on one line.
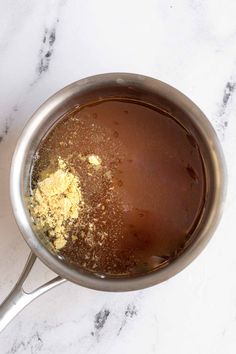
[(190, 44)]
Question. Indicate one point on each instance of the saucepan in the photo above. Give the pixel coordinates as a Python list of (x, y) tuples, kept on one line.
[(81, 92)]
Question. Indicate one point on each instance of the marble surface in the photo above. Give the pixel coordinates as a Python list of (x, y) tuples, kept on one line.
[(190, 44)]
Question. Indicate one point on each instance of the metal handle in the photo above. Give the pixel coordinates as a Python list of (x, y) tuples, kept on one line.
[(19, 298)]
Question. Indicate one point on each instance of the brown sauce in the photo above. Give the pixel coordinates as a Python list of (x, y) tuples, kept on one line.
[(144, 202)]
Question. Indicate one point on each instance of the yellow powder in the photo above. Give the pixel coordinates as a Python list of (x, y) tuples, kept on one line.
[(55, 202)]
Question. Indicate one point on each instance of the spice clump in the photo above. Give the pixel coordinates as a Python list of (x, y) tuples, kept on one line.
[(94, 160), (55, 204)]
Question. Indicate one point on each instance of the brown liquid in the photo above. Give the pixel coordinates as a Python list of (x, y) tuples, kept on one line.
[(144, 202)]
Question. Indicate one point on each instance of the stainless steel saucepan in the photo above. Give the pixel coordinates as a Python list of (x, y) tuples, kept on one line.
[(82, 92)]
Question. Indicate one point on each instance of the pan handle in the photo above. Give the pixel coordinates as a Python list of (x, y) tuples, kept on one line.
[(19, 298)]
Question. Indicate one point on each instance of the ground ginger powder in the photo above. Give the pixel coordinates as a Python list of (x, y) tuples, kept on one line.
[(55, 204)]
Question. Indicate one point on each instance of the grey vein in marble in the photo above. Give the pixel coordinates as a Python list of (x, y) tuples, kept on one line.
[(229, 90), (8, 122), (99, 322), (33, 345), (46, 50), (130, 312)]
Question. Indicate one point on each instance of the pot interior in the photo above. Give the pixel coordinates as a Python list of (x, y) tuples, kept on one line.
[(142, 89)]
